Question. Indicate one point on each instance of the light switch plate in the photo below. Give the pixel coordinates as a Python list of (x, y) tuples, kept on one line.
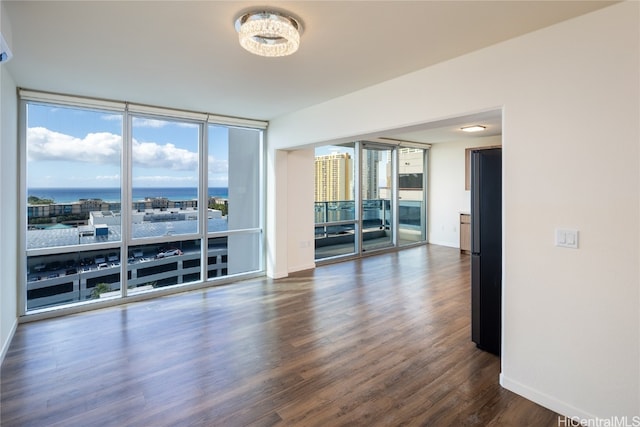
[(566, 238)]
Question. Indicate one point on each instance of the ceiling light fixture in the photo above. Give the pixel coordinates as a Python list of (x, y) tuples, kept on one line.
[(268, 33), (474, 128)]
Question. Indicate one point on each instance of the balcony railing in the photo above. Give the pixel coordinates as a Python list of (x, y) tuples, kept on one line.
[(338, 217)]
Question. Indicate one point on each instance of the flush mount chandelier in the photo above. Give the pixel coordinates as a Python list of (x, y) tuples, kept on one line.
[(473, 128), (269, 33)]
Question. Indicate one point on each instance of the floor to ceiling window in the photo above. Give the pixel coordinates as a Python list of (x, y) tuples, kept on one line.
[(368, 197), (234, 174), (121, 200), (335, 201)]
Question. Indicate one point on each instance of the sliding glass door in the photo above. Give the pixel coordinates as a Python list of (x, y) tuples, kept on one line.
[(376, 192), (369, 196), (412, 214), (335, 207)]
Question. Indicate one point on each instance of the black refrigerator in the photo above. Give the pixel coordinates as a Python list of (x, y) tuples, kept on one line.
[(486, 248)]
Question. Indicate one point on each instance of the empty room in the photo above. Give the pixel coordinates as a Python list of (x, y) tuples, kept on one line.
[(319, 213)]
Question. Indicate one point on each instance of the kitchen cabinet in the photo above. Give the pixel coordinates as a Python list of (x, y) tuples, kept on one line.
[(465, 233)]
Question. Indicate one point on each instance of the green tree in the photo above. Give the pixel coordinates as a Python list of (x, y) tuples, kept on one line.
[(222, 207), (33, 200), (100, 288)]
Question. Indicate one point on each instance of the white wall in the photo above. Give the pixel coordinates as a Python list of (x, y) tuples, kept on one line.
[(447, 196), (300, 240), (277, 232), (570, 98), (8, 189)]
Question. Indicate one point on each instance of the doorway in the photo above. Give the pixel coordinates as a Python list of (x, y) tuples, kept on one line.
[(369, 197)]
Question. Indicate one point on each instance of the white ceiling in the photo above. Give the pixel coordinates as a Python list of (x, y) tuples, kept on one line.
[(185, 54), (450, 129)]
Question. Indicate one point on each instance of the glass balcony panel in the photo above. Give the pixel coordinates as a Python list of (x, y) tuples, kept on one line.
[(334, 240), (411, 214)]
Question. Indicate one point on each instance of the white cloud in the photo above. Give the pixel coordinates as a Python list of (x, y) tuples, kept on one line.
[(218, 165), (188, 125), (104, 148), (115, 177), (112, 117), (168, 156), (45, 144), (218, 181), (149, 123)]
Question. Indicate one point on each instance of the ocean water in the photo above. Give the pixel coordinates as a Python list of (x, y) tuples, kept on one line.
[(69, 195)]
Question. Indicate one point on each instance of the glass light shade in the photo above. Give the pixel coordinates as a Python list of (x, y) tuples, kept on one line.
[(268, 33), (474, 128)]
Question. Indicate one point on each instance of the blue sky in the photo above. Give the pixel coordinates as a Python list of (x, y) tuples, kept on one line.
[(80, 148)]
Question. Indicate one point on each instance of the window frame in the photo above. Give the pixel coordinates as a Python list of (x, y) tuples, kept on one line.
[(129, 111)]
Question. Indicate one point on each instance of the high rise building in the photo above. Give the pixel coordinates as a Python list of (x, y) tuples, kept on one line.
[(333, 177), (370, 175), (410, 173)]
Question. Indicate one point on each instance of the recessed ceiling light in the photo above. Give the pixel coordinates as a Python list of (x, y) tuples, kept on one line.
[(474, 128)]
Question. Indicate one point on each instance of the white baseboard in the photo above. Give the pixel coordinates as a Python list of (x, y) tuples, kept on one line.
[(276, 274), (302, 267), (444, 243), (545, 400), (7, 342)]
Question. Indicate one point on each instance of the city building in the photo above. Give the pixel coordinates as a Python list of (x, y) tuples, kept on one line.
[(58, 279), (560, 79), (371, 175), (84, 207), (333, 177)]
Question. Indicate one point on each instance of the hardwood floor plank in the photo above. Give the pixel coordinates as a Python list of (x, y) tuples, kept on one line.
[(380, 341)]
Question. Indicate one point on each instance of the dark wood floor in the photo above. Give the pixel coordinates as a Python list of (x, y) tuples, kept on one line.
[(379, 341)]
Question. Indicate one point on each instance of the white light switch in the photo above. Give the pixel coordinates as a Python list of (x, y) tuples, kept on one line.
[(567, 238)]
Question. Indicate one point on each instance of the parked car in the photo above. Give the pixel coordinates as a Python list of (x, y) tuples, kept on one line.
[(112, 257), (100, 259), (169, 252), (53, 266), (102, 265)]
